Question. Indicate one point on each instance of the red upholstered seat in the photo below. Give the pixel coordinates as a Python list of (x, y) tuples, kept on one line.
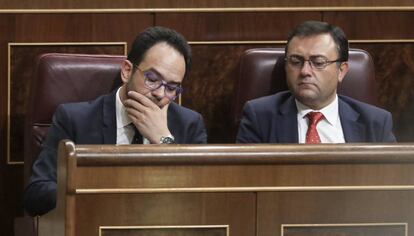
[(261, 72), (63, 78)]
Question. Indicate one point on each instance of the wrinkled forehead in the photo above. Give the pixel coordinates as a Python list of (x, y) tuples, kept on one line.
[(313, 45), (166, 61)]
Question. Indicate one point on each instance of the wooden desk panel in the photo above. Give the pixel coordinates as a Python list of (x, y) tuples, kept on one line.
[(236, 210), (243, 176), (257, 190), (390, 211)]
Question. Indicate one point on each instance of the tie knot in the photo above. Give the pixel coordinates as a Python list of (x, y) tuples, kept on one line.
[(314, 117)]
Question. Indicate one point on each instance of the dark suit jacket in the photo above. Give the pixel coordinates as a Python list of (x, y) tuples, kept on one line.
[(93, 122), (273, 119)]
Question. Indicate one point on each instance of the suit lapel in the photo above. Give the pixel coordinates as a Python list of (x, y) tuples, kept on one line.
[(287, 122), (109, 118), (354, 131)]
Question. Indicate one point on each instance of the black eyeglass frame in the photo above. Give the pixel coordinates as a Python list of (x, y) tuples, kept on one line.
[(311, 60)]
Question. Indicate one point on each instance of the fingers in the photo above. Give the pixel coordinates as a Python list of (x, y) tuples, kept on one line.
[(149, 118), (164, 103), (137, 97)]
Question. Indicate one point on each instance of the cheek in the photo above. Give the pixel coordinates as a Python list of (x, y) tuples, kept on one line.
[(137, 86), (294, 74), (289, 72), (292, 80), (329, 80)]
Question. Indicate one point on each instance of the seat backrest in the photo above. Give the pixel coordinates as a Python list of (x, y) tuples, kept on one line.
[(63, 78), (261, 72)]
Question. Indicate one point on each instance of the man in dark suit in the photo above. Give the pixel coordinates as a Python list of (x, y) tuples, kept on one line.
[(312, 112), (140, 111)]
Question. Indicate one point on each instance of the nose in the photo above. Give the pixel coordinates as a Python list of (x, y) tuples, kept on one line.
[(159, 92), (306, 68)]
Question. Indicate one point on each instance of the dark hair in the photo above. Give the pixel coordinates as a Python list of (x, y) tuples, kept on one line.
[(153, 35), (311, 28)]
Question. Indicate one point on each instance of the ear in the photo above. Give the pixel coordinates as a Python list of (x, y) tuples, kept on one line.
[(126, 71), (343, 69)]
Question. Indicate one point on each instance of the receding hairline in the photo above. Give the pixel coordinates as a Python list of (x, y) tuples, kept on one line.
[(316, 34)]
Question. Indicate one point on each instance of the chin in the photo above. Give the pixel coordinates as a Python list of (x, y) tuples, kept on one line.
[(307, 94), (162, 104)]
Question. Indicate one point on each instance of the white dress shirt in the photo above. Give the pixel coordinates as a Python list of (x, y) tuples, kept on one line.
[(124, 127), (329, 128)]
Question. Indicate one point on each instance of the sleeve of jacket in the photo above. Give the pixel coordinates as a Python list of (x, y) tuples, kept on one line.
[(248, 131), (387, 133), (199, 131), (40, 193)]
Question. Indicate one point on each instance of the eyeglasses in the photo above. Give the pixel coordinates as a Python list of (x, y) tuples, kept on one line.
[(153, 82), (316, 62)]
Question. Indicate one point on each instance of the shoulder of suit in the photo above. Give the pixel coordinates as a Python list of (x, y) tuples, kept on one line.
[(174, 107), (74, 106), (276, 98), (361, 106)]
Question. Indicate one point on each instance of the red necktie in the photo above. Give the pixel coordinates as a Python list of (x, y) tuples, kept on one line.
[(312, 135)]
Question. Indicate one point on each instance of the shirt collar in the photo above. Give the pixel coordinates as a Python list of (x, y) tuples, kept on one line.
[(122, 118), (330, 112)]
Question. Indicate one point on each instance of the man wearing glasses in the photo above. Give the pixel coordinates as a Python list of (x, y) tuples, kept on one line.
[(312, 112), (141, 111)]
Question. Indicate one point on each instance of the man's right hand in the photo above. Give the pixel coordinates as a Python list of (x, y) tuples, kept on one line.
[(148, 117)]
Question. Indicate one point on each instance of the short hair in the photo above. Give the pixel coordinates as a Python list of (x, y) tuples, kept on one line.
[(153, 35), (311, 28)]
